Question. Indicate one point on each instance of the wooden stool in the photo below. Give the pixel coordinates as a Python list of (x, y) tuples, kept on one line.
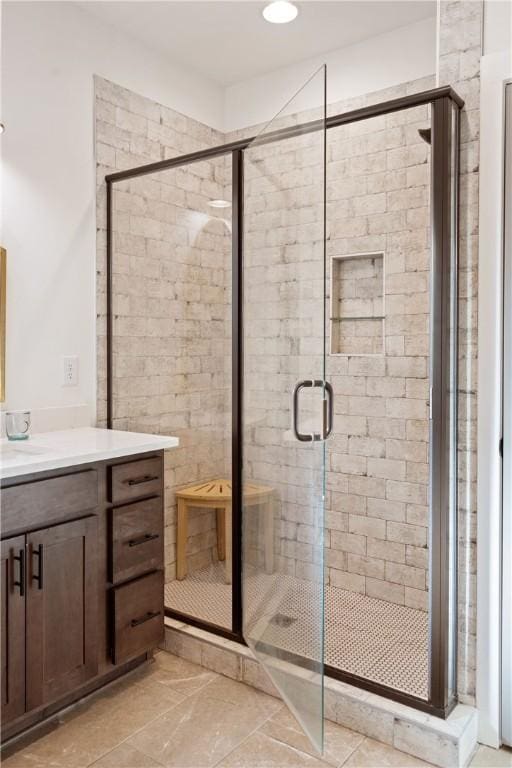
[(216, 494)]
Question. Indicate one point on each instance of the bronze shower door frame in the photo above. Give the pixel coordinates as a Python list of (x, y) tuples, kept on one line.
[(445, 107)]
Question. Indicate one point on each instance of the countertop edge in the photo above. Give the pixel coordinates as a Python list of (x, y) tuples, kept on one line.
[(36, 466)]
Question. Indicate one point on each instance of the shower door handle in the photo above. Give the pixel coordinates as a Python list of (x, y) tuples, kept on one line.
[(327, 410)]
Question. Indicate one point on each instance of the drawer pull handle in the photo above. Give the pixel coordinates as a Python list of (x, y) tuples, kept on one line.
[(150, 615), (143, 539), (141, 480), (20, 558), (39, 576)]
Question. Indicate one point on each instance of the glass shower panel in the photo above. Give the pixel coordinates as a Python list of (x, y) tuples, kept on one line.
[(378, 457), (285, 411), (172, 364)]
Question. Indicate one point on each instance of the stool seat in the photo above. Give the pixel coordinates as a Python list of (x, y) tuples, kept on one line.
[(215, 490), (217, 494)]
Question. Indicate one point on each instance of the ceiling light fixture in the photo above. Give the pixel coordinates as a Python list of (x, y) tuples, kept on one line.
[(219, 203), (2, 127), (280, 12)]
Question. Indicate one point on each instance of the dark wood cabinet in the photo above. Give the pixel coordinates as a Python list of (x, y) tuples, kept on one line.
[(81, 582), (61, 609), (133, 479), (138, 611), (137, 539), (12, 581)]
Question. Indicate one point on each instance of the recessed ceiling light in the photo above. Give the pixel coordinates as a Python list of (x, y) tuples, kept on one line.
[(2, 127), (280, 12), (219, 203)]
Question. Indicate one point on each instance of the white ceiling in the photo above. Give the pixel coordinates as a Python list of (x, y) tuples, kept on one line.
[(229, 42)]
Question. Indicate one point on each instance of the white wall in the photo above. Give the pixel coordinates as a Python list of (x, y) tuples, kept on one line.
[(407, 53), (497, 26), (50, 52)]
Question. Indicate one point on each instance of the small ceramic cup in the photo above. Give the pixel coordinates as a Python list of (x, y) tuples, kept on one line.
[(17, 425)]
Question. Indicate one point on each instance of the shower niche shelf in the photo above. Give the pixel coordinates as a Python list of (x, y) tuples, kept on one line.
[(357, 304)]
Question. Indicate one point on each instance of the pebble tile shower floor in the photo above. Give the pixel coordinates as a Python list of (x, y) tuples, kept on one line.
[(374, 639), (174, 713)]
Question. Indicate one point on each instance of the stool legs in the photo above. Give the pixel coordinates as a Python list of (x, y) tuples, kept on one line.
[(181, 540), (221, 533), (223, 516)]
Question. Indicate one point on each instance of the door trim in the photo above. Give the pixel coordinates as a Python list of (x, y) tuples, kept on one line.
[(494, 69)]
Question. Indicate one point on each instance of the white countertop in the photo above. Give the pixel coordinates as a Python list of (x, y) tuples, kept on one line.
[(54, 450)]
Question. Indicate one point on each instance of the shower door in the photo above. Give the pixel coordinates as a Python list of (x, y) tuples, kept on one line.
[(287, 405)]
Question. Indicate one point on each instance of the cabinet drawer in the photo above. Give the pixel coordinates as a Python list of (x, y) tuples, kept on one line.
[(135, 479), (40, 502), (138, 621), (137, 541)]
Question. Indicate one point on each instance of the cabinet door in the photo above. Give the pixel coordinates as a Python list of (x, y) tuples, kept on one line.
[(61, 610), (12, 581)]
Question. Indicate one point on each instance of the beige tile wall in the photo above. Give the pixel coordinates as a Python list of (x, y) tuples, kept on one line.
[(172, 299), (459, 65), (378, 198), (377, 458)]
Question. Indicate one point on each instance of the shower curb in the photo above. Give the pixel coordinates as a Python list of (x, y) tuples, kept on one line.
[(448, 743)]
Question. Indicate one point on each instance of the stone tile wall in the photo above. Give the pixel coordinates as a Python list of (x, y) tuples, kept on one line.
[(377, 459), (378, 198), (461, 29), (172, 298)]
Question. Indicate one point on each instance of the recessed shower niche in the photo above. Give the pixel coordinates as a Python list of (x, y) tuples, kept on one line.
[(357, 304)]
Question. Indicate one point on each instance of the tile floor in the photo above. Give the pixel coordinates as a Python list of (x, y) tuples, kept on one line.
[(371, 638), (177, 714)]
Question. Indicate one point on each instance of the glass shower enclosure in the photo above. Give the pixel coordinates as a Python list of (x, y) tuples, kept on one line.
[(286, 304)]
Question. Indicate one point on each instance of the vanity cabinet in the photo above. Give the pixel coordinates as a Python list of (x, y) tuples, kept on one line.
[(49, 605), (82, 582), (61, 609)]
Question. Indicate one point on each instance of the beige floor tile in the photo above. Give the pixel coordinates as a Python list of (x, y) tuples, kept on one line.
[(206, 726), (492, 758), (374, 754), (339, 742), (177, 674), (66, 748), (144, 706), (94, 730), (261, 751), (125, 757)]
